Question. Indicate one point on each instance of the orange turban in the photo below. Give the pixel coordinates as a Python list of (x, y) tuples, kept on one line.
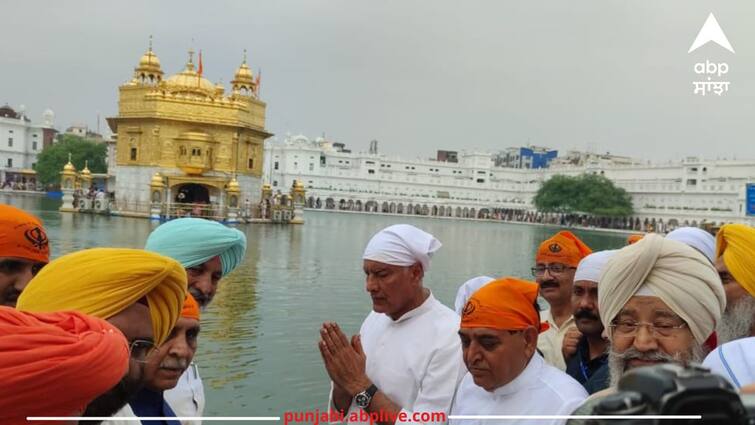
[(505, 304), (736, 243), (191, 308), (634, 238), (54, 364), (564, 247), (22, 235)]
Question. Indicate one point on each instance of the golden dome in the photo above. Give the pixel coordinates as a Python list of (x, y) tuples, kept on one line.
[(157, 180), (190, 79), (149, 63), (298, 184), (243, 75), (69, 168), (85, 171), (149, 60), (233, 185)]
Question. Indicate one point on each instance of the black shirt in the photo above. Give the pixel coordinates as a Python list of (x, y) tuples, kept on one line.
[(592, 374)]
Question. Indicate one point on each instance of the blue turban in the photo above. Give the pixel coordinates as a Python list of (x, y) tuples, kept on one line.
[(194, 241)]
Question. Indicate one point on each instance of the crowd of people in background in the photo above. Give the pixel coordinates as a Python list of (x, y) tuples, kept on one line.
[(112, 332)]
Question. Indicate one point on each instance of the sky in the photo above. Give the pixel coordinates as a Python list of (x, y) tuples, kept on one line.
[(604, 75)]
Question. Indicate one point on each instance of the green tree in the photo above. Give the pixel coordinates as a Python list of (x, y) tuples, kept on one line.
[(51, 160), (587, 193)]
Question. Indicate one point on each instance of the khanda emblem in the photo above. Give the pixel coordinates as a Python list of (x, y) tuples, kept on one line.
[(469, 308), (554, 248), (37, 237)]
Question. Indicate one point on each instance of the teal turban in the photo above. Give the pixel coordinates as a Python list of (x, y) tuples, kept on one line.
[(194, 241)]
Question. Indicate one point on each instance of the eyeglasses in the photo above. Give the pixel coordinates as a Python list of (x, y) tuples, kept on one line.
[(627, 329), (141, 349), (554, 268)]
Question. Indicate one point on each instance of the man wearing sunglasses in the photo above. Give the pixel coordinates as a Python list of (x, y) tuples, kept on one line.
[(555, 263), (24, 250)]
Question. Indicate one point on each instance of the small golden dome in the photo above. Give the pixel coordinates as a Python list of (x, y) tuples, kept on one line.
[(69, 166), (266, 187), (243, 75), (149, 63), (157, 180), (298, 184), (190, 79), (233, 185), (85, 171)]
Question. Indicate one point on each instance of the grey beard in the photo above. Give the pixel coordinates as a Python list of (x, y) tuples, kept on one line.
[(617, 361), (737, 320)]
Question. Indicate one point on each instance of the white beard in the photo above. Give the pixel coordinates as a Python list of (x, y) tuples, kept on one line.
[(737, 320), (617, 362)]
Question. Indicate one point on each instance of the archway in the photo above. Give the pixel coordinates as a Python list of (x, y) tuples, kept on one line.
[(359, 205), (385, 208), (400, 208), (330, 204), (392, 207), (192, 193)]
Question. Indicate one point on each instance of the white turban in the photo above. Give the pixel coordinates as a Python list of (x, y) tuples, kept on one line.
[(402, 245), (679, 275), (467, 289), (590, 267), (696, 238)]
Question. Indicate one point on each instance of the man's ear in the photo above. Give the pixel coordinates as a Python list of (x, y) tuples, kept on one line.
[(417, 272), (530, 340)]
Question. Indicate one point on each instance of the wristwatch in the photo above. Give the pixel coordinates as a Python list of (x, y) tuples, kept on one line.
[(363, 399)]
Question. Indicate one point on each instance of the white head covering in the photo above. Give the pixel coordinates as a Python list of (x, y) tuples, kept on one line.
[(402, 245), (467, 289), (733, 361), (590, 267), (696, 238), (677, 274)]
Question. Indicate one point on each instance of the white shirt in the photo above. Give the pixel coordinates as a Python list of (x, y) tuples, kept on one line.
[(540, 389), (416, 360), (734, 361), (551, 342), (125, 412), (187, 397)]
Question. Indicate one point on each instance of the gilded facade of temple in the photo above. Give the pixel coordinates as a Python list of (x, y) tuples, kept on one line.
[(192, 136)]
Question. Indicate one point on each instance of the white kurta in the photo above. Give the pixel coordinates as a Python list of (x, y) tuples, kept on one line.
[(187, 397), (540, 389), (735, 361), (550, 342), (415, 361)]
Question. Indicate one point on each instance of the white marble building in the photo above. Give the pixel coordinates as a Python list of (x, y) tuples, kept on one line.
[(20, 142), (691, 190)]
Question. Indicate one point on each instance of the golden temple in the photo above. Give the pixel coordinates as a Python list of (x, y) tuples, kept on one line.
[(189, 134)]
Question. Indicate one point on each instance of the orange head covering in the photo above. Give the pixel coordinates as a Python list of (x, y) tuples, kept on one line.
[(634, 238), (54, 364), (507, 304), (191, 308), (22, 235), (564, 247)]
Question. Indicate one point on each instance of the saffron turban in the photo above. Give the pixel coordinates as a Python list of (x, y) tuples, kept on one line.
[(590, 267), (679, 275), (631, 239), (696, 238), (564, 247), (194, 241), (54, 364), (22, 235), (402, 245), (505, 304), (191, 308), (467, 289), (736, 243), (105, 281)]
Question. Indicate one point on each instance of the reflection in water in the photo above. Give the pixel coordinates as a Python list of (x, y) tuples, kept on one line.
[(258, 346)]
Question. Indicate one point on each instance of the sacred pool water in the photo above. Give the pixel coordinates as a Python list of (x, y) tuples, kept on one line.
[(258, 351)]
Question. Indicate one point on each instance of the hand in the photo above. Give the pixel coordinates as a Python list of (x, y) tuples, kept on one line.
[(571, 340), (344, 360)]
